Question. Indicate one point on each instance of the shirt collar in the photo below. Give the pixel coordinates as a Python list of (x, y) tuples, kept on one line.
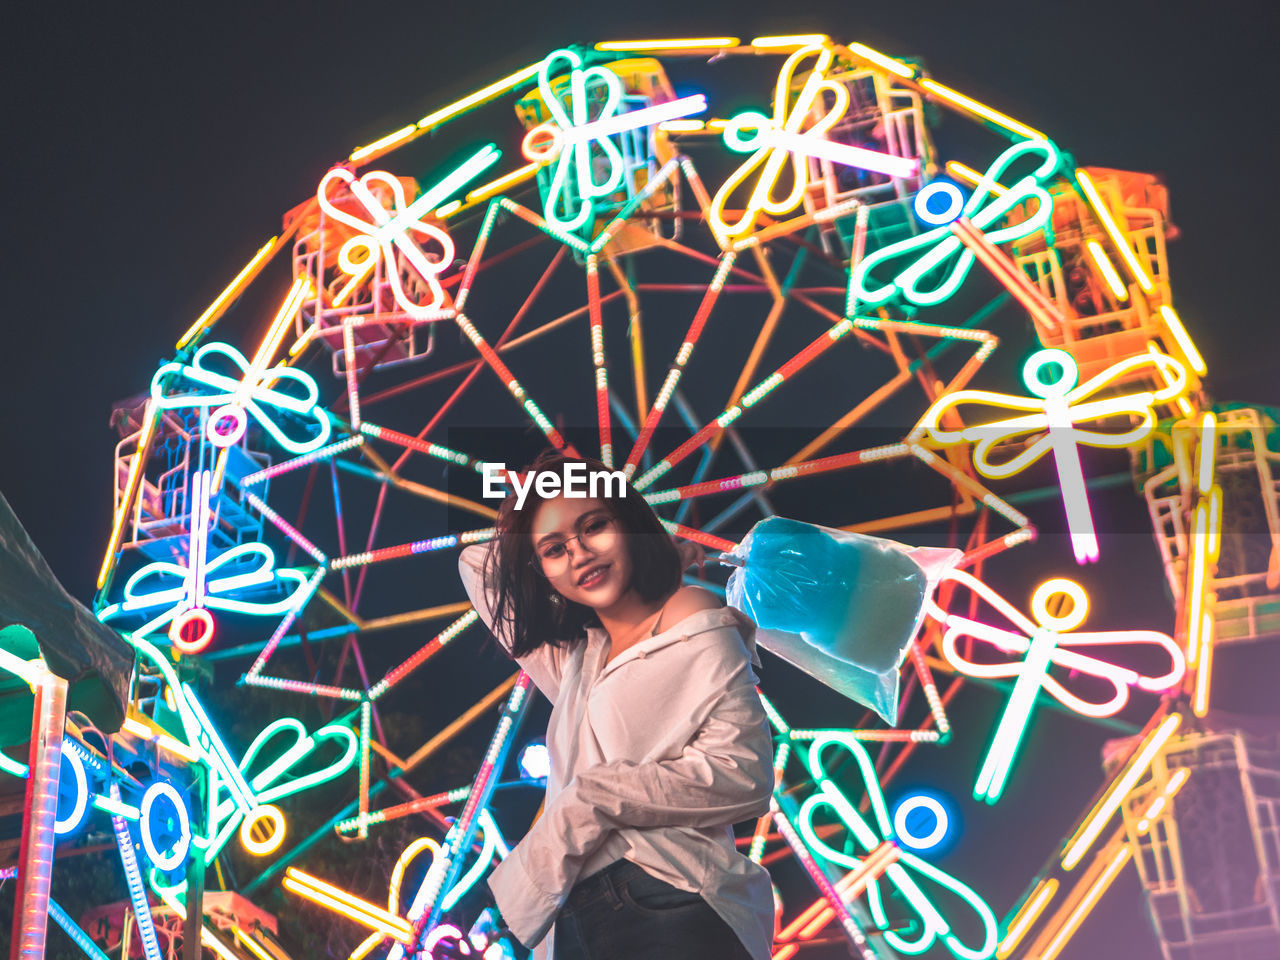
[(698, 622)]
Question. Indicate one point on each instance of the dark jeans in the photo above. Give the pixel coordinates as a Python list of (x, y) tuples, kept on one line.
[(623, 913)]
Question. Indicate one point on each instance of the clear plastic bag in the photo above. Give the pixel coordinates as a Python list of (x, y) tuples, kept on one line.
[(843, 607)]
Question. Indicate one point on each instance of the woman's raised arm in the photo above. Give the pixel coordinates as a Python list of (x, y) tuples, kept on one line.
[(543, 665)]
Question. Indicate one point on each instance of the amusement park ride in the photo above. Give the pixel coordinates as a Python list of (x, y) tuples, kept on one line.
[(257, 504)]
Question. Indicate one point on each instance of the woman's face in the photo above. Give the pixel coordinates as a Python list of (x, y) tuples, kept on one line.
[(578, 539)]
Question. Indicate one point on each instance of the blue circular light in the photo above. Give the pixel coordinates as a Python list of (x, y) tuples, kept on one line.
[(939, 203), (80, 788), (173, 830), (921, 821)]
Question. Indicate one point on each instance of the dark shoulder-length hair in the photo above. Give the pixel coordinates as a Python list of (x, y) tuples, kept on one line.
[(523, 600)]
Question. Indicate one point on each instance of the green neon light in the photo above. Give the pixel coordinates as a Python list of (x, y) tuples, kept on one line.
[(945, 245)]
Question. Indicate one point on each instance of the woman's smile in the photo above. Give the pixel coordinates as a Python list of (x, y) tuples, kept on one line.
[(595, 576)]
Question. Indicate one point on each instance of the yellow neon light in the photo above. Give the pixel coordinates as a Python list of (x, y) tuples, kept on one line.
[(402, 134), (1200, 704), (1113, 229), (1086, 904), (494, 187), (1157, 806), (880, 60), (1208, 444), (1107, 269), (300, 290), (1079, 844), (232, 288), (397, 872), (260, 848), (480, 96), (1034, 906), (1174, 323), (302, 341), (162, 739), (1195, 594), (352, 907), (216, 945), (962, 171), (1185, 407), (699, 43), (449, 209), (250, 944), (787, 42), (981, 110)]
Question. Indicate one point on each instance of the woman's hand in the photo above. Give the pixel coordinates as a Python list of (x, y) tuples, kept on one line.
[(691, 553)]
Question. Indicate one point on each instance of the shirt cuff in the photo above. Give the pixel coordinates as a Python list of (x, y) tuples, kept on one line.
[(528, 911)]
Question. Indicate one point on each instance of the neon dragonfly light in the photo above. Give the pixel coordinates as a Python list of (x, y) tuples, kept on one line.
[(254, 393), (151, 587), (249, 803), (1043, 643), (781, 139), (249, 796), (191, 609), (940, 258), (775, 137), (933, 925), (1056, 408), (568, 140), (385, 231)]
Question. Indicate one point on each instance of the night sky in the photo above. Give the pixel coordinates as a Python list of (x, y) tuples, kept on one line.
[(153, 147)]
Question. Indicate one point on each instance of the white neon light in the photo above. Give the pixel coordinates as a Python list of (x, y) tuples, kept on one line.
[(174, 857)]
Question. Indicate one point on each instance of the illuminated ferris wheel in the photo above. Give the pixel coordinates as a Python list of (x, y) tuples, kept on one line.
[(726, 308)]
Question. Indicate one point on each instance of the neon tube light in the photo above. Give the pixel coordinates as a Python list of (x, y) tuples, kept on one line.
[(1025, 917), (981, 110), (1083, 838), (1107, 269), (1086, 904), (233, 288), (788, 42), (1109, 224), (480, 96), (768, 136), (880, 60), (391, 138), (1185, 344), (700, 43)]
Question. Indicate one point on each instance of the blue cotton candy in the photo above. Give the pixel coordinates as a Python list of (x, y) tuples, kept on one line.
[(844, 607)]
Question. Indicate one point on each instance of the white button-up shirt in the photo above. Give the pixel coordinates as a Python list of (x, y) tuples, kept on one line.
[(653, 759)]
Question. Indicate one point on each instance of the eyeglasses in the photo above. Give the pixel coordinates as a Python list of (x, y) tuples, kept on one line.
[(597, 535)]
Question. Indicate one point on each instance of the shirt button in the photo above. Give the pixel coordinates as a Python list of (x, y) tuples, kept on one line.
[(641, 655)]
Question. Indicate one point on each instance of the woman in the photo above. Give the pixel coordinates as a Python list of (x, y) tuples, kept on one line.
[(658, 740)]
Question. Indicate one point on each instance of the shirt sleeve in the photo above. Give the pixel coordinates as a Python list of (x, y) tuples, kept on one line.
[(544, 664), (723, 776)]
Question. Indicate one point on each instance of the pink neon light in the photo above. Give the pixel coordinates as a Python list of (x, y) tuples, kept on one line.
[(203, 620), (1066, 652), (220, 436)]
